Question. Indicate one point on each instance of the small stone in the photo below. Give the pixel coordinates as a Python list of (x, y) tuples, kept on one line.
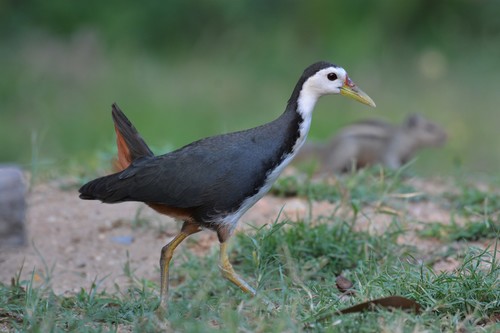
[(12, 206), (343, 284), (123, 240)]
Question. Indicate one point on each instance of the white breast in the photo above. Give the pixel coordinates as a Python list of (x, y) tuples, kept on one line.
[(305, 106)]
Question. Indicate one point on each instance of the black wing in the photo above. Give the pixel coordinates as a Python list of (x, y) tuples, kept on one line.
[(209, 173)]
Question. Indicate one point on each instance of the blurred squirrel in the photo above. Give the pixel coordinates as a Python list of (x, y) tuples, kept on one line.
[(374, 141)]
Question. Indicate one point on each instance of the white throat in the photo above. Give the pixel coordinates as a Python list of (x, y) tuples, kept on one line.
[(305, 106)]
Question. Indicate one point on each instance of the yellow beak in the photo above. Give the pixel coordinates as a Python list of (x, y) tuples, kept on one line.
[(351, 90)]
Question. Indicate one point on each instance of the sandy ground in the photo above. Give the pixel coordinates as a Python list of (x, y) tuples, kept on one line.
[(80, 242)]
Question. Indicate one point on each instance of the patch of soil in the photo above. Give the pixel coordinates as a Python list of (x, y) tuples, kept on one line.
[(77, 242)]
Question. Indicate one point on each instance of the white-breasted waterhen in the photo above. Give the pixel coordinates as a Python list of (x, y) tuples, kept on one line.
[(210, 183)]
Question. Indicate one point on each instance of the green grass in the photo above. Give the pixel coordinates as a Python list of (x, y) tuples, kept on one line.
[(471, 231), (294, 265), (55, 97), (55, 105), (478, 208), (365, 186), (474, 202)]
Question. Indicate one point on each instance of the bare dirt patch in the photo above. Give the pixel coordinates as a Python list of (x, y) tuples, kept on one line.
[(81, 242)]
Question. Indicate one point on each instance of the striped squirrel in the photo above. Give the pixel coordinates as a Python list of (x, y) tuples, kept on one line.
[(374, 141)]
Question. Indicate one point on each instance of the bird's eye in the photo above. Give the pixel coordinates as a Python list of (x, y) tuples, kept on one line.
[(332, 76)]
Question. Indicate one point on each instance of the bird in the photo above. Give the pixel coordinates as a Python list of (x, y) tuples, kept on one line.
[(212, 182)]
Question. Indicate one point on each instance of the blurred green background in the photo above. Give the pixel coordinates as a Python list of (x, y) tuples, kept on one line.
[(182, 70)]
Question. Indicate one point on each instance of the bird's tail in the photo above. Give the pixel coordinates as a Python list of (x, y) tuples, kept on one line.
[(131, 145), (100, 189)]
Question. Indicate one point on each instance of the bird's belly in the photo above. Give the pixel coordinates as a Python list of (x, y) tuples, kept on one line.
[(226, 225), (176, 213)]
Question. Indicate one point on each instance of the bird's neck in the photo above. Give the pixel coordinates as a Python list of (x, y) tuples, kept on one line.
[(287, 134), (300, 107)]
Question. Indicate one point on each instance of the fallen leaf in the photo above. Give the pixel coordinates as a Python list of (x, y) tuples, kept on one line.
[(391, 302)]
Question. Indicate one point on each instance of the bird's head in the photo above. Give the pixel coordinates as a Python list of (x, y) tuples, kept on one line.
[(323, 78)]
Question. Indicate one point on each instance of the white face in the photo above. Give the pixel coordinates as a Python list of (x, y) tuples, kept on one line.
[(326, 81)]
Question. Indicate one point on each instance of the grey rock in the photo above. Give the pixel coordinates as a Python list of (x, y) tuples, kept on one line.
[(12, 207)]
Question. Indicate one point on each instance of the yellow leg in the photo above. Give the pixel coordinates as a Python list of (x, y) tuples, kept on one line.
[(229, 273), (166, 255)]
